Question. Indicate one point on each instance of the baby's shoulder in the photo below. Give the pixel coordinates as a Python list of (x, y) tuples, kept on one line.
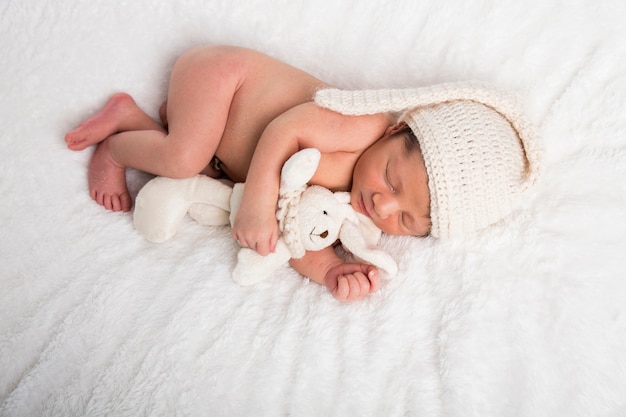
[(362, 131), (330, 131)]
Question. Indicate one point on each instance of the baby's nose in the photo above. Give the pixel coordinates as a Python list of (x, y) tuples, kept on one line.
[(385, 205)]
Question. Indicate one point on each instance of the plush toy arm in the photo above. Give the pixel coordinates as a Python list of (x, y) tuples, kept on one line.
[(252, 267), (352, 238)]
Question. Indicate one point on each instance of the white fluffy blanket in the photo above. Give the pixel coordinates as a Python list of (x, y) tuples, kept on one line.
[(526, 319)]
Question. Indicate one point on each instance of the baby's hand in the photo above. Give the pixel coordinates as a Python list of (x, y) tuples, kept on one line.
[(349, 282), (256, 229)]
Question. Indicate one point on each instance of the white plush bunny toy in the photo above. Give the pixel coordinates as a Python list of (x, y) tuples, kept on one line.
[(310, 218)]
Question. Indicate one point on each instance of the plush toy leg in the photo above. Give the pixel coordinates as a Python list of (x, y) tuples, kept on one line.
[(235, 200), (163, 202), (212, 206), (252, 267), (208, 215)]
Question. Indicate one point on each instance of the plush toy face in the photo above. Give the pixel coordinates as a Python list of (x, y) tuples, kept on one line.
[(321, 214)]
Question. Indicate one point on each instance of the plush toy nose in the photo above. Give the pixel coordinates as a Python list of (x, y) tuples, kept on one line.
[(324, 234)]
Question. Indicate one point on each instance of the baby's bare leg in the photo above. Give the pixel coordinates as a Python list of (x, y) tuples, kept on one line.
[(120, 113), (202, 86), (107, 179)]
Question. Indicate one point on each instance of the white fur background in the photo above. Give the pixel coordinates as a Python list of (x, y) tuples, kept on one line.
[(526, 319)]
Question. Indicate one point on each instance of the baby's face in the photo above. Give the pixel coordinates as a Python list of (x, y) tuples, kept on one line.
[(390, 186)]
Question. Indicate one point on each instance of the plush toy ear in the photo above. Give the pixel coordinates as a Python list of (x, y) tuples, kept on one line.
[(352, 238), (299, 169), (371, 234)]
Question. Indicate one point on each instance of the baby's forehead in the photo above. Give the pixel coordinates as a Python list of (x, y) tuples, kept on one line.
[(409, 147), (414, 175)]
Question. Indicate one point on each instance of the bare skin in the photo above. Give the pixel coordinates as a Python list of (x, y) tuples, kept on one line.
[(208, 86), (252, 112), (107, 181)]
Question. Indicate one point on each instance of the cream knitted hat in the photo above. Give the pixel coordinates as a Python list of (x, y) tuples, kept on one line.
[(480, 151)]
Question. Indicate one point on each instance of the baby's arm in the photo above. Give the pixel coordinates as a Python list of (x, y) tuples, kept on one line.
[(346, 281), (303, 126), (255, 224)]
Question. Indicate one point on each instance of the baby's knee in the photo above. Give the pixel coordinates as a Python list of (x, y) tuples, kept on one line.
[(185, 162)]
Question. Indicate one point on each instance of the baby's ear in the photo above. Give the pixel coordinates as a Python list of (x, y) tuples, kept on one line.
[(398, 127)]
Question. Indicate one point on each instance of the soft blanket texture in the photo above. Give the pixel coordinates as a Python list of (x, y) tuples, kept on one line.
[(526, 319)]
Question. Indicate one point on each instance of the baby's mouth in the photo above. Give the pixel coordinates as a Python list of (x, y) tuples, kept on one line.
[(363, 207)]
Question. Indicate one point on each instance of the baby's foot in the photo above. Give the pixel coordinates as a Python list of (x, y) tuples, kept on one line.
[(107, 180), (102, 125)]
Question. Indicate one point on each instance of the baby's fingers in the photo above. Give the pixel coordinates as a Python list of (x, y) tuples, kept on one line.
[(342, 291), (373, 279), (361, 287), (352, 287), (263, 247), (266, 244)]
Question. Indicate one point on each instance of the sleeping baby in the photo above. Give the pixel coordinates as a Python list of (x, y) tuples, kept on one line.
[(444, 160)]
